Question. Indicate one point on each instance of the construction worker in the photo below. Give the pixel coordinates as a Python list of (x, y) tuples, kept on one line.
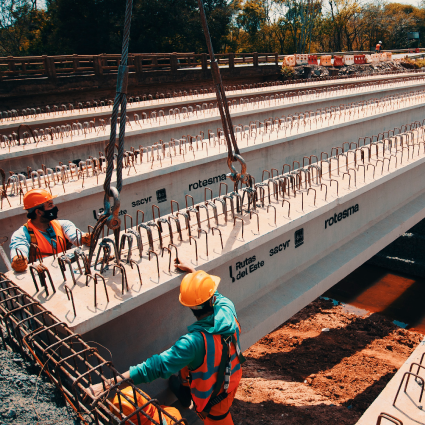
[(42, 234), (208, 358), (378, 47)]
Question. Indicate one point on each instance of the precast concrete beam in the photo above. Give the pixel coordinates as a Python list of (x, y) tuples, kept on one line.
[(273, 258), (400, 401), (159, 182), (60, 117), (144, 133)]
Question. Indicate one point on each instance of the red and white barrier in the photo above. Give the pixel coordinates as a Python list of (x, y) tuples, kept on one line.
[(348, 59), (301, 59)]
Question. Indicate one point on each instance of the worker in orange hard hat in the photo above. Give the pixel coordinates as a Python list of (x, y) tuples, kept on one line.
[(42, 235), (207, 359)]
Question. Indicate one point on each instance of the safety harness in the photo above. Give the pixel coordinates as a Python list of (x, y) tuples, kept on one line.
[(34, 251), (223, 376)]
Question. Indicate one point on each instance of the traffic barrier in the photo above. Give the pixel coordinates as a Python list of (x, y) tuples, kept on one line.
[(359, 59), (389, 56), (374, 58), (301, 59), (338, 61), (382, 57), (417, 50), (326, 60), (312, 60), (368, 58), (348, 59), (289, 60)]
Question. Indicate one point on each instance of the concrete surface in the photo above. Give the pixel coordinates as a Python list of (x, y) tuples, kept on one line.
[(7, 125), (270, 274), (81, 147), (407, 408), (150, 184)]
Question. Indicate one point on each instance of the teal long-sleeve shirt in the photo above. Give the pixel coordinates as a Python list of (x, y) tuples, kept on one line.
[(189, 350)]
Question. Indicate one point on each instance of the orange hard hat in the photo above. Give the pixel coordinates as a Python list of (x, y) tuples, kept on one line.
[(198, 287), (35, 197), (127, 408)]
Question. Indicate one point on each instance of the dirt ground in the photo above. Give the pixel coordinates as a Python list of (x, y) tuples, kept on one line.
[(326, 365)]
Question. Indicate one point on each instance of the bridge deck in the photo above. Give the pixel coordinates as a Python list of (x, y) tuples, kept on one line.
[(271, 270)]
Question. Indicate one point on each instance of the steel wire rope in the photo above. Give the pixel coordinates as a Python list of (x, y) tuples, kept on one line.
[(110, 216), (223, 107)]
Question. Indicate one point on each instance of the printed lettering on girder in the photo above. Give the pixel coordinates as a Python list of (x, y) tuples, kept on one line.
[(341, 216), (249, 265), (207, 182)]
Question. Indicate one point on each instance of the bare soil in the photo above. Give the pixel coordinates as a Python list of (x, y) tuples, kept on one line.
[(326, 365)]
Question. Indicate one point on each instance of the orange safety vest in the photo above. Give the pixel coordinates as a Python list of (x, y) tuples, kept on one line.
[(38, 239), (378, 47), (204, 378)]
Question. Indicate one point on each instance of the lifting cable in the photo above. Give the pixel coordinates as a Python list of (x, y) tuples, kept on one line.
[(232, 146), (110, 213)]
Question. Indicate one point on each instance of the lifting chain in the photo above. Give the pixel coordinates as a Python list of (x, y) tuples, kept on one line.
[(226, 120), (110, 215)]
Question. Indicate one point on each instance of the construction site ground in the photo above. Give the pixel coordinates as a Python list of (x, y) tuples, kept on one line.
[(325, 365), (27, 396)]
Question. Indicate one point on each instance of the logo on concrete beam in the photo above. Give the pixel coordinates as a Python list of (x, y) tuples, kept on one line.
[(299, 237)]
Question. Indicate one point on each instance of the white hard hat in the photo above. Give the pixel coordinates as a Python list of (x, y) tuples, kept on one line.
[(380, 42)]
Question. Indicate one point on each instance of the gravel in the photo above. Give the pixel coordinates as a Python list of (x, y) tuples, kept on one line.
[(26, 397), (312, 71)]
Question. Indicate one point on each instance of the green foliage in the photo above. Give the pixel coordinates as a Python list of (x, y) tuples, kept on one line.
[(95, 26), (287, 73), (283, 26), (420, 63)]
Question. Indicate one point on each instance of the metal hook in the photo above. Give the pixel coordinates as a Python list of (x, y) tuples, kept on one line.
[(123, 276), (206, 237), (71, 298), (219, 232), (157, 260), (196, 246)]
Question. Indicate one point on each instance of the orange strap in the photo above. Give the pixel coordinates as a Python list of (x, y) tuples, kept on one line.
[(38, 239)]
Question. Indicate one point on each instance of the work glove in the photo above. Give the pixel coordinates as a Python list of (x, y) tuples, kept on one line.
[(19, 264), (86, 239)]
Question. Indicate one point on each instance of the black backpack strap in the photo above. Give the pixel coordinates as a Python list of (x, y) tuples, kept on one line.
[(235, 341), (32, 254)]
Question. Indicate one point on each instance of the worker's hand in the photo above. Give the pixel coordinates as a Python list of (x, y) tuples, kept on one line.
[(95, 391), (19, 264), (184, 267), (86, 239)]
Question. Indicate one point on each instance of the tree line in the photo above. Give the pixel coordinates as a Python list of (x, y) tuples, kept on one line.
[(56, 27)]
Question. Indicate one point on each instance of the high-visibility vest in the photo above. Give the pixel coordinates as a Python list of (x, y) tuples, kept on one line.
[(378, 47), (38, 239), (204, 378)]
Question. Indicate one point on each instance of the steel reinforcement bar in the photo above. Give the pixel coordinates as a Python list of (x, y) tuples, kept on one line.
[(99, 104), (70, 363)]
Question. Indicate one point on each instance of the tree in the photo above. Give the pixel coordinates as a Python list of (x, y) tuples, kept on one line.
[(301, 17), (18, 21)]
